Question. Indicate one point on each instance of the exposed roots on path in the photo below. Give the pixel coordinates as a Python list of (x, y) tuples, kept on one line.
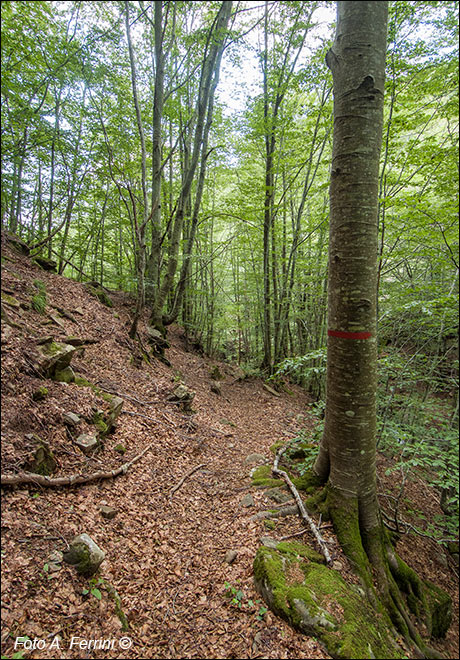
[(72, 480), (392, 587)]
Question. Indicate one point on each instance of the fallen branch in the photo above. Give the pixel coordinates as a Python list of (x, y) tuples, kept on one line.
[(73, 480), (189, 474), (303, 512)]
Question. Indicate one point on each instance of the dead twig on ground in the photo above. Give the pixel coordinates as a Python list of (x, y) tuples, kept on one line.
[(303, 512), (189, 474)]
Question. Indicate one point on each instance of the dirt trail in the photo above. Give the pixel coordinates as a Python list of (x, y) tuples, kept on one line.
[(165, 555)]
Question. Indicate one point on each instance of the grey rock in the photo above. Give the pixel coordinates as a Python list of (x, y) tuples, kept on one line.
[(278, 495), (87, 443), (46, 264), (116, 405), (183, 395), (269, 542), (84, 554), (54, 357), (231, 556), (56, 557), (43, 461), (254, 458), (66, 375), (309, 622), (108, 512), (247, 500), (215, 388), (71, 419), (257, 642)]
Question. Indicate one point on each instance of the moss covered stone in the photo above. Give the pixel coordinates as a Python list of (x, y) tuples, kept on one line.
[(10, 300), (66, 375), (261, 478), (317, 601), (40, 394), (43, 462), (84, 554), (100, 294), (56, 357), (47, 264)]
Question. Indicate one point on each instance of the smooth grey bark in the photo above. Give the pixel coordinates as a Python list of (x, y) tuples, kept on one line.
[(357, 62)]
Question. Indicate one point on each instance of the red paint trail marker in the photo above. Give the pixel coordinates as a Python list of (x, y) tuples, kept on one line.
[(349, 335)]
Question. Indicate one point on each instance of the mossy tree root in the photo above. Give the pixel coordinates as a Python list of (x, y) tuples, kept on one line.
[(392, 587)]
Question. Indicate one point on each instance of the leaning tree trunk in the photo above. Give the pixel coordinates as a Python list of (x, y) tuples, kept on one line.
[(347, 454)]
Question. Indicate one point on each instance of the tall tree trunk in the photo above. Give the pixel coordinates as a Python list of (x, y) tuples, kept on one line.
[(153, 266), (139, 223), (348, 449), (210, 66)]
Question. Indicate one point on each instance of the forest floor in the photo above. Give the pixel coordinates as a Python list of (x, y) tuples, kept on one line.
[(165, 550)]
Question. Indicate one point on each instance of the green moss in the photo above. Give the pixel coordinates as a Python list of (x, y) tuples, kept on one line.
[(261, 478), (344, 515), (82, 382), (296, 549), (101, 295), (66, 375), (277, 445), (321, 604), (40, 394), (100, 423), (121, 449), (269, 524), (43, 462), (51, 348), (9, 300), (82, 556), (428, 602), (317, 503), (439, 605), (308, 482)]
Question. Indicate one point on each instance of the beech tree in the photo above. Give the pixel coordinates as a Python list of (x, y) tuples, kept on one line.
[(346, 460)]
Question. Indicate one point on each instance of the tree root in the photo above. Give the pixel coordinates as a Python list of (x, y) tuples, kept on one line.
[(287, 511), (393, 588), (303, 512), (73, 480)]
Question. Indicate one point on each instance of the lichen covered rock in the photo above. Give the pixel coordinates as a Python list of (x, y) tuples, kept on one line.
[(84, 554), (54, 358), (184, 396), (43, 461)]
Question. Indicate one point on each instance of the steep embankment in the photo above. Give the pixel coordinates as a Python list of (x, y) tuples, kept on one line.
[(166, 547)]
